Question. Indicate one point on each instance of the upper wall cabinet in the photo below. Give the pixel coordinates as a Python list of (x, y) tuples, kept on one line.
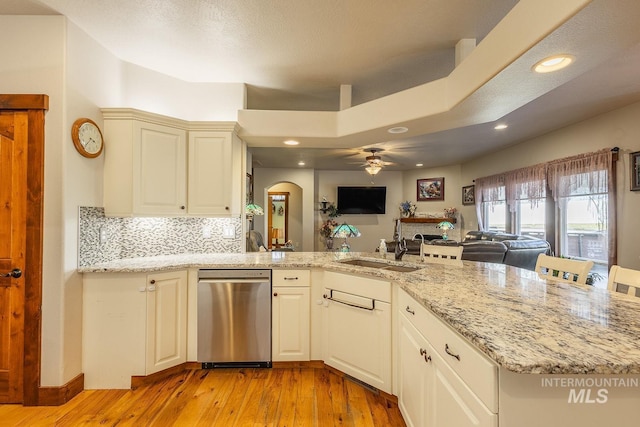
[(160, 166)]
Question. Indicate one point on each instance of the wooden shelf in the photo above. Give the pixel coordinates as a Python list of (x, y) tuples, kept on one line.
[(427, 220)]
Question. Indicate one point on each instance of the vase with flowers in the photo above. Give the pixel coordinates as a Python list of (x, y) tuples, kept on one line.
[(326, 231), (407, 209)]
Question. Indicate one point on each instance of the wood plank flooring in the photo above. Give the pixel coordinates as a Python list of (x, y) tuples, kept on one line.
[(222, 397)]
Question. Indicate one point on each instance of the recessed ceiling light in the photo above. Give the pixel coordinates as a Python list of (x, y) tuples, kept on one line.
[(500, 126), (419, 164), (291, 142), (398, 129), (553, 63), (300, 163)]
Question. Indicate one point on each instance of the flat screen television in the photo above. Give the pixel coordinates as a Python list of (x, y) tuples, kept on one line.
[(362, 200)]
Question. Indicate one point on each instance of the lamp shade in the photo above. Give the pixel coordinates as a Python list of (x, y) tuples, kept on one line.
[(253, 209), (345, 230), (446, 225)]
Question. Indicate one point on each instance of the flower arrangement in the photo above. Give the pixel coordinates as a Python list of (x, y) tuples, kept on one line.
[(450, 212), (408, 208), (327, 228)]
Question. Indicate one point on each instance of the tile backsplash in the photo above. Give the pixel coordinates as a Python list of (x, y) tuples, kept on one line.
[(104, 239)]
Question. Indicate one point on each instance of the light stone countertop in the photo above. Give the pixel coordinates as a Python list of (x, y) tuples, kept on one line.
[(523, 323)]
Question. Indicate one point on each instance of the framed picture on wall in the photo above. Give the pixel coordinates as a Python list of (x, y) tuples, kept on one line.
[(430, 189), (249, 188), (469, 195), (634, 165)]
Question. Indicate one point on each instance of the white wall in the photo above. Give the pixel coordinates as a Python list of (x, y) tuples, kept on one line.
[(619, 128), (372, 227)]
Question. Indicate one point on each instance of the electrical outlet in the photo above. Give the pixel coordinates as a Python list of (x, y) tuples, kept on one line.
[(102, 235), (229, 232)]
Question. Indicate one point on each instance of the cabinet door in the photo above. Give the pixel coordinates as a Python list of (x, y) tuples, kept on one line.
[(159, 170), (412, 374), (210, 170), (166, 320), (290, 324), (453, 403), (357, 341)]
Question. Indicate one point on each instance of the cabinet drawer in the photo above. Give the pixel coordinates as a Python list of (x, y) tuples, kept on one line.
[(473, 367), (291, 277)]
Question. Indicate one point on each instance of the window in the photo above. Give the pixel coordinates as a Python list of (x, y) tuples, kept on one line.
[(495, 214), (531, 218), (577, 212)]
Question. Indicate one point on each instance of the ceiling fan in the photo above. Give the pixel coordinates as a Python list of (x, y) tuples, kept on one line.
[(374, 163)]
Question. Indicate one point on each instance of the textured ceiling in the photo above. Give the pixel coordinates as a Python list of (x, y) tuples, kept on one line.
[(295, 54)]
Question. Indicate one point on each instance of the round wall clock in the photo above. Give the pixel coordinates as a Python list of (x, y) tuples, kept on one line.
[(87, 137)]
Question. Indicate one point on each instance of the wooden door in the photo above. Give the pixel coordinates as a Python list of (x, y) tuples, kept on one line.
[(13, 201)]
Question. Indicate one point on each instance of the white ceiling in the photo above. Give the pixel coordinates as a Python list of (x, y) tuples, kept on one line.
[(295, 54)]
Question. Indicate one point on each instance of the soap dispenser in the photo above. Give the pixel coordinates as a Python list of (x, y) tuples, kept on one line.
[(383, 248)]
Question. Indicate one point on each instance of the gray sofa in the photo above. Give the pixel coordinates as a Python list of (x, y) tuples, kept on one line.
[(511, 249), (489, 246)]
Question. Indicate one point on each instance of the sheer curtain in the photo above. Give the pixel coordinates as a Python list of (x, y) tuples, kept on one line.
[(488, 189)]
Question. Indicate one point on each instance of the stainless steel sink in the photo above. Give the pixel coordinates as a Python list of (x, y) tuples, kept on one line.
[(380, 265)]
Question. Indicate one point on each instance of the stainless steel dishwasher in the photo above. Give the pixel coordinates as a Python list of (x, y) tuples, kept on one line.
[(234, 318)]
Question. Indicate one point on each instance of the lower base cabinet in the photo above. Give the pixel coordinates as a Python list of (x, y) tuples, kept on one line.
[(290, 324), (290, 315), (357, 328), (430, 392), (133, 324)]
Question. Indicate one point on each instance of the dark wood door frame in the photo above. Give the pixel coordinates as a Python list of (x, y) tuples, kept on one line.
[(35, 106)]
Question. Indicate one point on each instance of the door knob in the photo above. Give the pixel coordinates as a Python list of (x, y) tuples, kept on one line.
[(15, 273)]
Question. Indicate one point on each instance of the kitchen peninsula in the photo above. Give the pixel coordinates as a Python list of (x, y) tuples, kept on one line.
[(548, 347)]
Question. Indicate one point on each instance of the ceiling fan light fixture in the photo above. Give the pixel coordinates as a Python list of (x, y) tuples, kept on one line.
[(553, 63), (373, 169)]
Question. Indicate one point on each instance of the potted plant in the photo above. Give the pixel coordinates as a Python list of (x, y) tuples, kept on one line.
[(407, 209)]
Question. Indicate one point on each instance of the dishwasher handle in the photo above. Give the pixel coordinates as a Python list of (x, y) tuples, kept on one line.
[(234, 280)]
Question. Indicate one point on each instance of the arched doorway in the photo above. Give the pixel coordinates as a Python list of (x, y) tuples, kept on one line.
[(283, 215)]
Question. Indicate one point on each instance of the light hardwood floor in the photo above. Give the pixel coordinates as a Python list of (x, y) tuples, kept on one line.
[(222, 397)]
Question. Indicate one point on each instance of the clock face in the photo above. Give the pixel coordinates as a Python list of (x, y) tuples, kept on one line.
[(90, 138), (87, 138)]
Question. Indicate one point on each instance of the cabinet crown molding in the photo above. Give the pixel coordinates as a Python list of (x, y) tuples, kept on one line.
[(159, 119)]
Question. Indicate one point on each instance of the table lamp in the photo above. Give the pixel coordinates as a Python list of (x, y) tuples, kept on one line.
[(344, 231)]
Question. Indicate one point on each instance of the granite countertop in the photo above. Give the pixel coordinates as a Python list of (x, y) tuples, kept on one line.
[(523, 323)]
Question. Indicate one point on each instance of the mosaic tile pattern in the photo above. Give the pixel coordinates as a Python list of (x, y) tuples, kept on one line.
[(522, 322), (147, 237)]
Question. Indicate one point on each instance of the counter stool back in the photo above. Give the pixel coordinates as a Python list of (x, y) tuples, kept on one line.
[(562, 269), (624, 280), (442, 254)]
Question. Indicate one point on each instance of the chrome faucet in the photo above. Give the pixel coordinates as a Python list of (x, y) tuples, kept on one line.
[(401, 248), (422, 243)]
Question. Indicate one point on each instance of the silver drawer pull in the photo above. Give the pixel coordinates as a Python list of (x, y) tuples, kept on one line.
[(446, 348), (408, 309)]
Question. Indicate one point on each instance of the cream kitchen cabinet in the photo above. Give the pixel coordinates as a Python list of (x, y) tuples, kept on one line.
[(133, 324), (357, 327), (290, 315), (160, 166), (436, 391)]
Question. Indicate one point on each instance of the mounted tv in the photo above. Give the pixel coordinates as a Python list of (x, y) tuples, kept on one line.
[(362, 200)]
